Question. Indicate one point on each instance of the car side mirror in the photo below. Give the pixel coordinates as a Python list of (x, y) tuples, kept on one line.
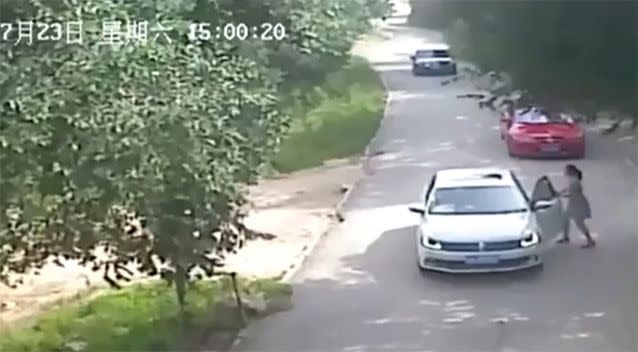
[(417, 208), (542, 204), (412, 57)]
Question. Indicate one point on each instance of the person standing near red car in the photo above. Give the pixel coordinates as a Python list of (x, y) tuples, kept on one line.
[(578, 209)]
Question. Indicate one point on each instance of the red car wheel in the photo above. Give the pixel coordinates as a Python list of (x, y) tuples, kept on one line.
[(509, 148)]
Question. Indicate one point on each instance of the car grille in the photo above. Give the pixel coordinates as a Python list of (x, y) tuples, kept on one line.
[(475, 246), (460, 265)]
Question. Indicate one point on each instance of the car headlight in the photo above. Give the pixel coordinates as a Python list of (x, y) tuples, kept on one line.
[(428, 242), (531, 239)]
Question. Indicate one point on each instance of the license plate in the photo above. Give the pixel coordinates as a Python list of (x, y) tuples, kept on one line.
[(483, 259), (550, 148)]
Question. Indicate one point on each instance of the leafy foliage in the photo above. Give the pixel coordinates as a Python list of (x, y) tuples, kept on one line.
[(90, 133), (142, 318), (558, 50), (335, 120)]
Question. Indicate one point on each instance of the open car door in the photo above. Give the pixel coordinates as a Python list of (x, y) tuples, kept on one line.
[(548, 210)]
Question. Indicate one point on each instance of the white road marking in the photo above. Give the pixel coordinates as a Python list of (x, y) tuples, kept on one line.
[(594, 315), (378, 321), (461, 117), (583, 335), (425, 302), (566, 336), (463, 315), (456, 303), (453, 320), (458, 308), (520, 318)]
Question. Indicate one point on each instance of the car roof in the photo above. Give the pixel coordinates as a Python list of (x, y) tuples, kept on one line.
[(434, 46), (473, 177)]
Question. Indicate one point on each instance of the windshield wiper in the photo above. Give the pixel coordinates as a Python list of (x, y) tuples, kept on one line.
[(510, 211)]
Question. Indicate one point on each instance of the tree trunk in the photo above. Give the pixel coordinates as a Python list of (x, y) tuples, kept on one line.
[(180, 290)]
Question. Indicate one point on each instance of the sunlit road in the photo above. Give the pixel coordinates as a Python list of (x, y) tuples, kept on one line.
[(361, 289)]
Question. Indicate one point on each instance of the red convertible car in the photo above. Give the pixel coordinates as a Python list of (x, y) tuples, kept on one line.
[(534, 132)]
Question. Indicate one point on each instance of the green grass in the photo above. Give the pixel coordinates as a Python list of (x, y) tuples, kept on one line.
[(345, 115), (138, 318)]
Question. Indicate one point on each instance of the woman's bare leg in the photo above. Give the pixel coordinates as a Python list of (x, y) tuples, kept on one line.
[(565, 238), (582, 226)]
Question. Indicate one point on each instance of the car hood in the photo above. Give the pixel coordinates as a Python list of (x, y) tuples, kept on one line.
[(469, 228), (423, 60), (548, 129)]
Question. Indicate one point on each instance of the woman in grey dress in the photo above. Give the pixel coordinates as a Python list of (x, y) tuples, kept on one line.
[(578, 209)]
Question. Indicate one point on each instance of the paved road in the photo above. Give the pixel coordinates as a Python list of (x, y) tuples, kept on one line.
[(361, 289)]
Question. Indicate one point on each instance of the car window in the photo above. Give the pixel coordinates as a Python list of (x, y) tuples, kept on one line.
[(536, 115), (477, 200), (543, 190), (432, 54)]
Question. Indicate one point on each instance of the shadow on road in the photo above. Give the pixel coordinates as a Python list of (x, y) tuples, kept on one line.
[(428, 310)]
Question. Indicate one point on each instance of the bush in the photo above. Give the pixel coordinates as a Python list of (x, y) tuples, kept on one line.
[(567, 60), (138, 318), (344, 116)]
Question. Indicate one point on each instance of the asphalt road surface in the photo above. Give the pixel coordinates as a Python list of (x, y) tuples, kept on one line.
[(361, 289)]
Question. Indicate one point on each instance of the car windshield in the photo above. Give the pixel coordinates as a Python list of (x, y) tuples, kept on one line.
[(534, 115), (432, 54), (477, 200)]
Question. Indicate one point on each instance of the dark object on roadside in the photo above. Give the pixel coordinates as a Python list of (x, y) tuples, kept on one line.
[(472, 96), (612, 128), (448, 81), (489, 102)]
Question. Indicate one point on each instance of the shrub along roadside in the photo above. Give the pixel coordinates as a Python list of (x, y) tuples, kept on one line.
[(565, 63), (144, 317), (335, 120)]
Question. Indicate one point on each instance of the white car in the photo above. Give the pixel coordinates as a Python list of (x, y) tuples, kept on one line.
[(482, 220), (433, 59)]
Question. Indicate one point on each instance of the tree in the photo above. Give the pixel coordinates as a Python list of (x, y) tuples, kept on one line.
[(560, 51), (93, 135)]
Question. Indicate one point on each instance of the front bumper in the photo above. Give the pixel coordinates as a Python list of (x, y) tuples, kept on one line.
[(448, 69), (455, 262), (566, 149)]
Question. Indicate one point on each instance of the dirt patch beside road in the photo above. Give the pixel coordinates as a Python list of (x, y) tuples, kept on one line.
[(297, 209)]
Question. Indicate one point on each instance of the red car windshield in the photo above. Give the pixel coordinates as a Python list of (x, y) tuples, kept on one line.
[(539, 116)]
